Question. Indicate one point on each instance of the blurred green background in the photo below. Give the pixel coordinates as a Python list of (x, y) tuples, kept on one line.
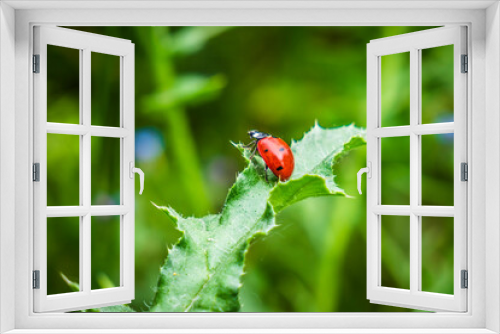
[(196, 89)]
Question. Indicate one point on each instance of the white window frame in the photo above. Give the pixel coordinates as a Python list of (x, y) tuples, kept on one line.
[(16, 21)]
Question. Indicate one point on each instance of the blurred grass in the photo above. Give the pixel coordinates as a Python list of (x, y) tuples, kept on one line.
[(395, 85), (196, 89)]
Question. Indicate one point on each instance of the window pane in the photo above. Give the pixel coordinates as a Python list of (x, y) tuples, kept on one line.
[(437, 254), (105, 187), (395, 171), (395, 89), (63, 170), (437, 84), (437, 169), (396, 251), (63, 254), (105, 89), (105, 252), (63, 85)]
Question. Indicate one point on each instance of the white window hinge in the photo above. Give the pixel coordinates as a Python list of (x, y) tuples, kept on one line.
[(465, 64), (36, 279), (464, 171), (36, 63), (36, 172), (464, 279)]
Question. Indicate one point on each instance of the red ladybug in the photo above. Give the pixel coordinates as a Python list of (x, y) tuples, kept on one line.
[(276, 154)]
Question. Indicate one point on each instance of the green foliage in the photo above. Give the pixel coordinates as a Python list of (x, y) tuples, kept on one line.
[(202, 272), (72, 285), (192, 39), (113, 309), (278, 79), (117, 308), (174, 93), (315, 155), (187, 90)]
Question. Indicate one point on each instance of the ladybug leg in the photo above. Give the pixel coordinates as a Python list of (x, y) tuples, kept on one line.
[(253, 153), (266, 172), (249, 145)]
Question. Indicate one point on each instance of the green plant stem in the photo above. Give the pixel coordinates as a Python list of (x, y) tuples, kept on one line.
[(184, 151), (336, 239), (179, 136)]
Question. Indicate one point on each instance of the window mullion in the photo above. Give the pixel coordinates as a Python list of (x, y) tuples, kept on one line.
[(419, 165), (406, 210), (127, 155), (414, 170), (85, 167)]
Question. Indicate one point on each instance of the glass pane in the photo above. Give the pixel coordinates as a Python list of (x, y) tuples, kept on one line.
[(395, 171), (396, 251), (395, 89), (63, 85), (105, 89), (105, 187), (437, 254), (63, 170), (437, 84), (63, 254), (105, 252), (437, 169)]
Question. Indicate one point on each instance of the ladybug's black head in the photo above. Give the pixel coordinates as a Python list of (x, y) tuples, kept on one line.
[(257, 134)]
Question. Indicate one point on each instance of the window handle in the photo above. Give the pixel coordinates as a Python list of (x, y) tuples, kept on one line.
[(141, 175), (368, 171)]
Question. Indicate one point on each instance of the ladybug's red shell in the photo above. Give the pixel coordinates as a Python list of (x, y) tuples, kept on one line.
[(277, 155)]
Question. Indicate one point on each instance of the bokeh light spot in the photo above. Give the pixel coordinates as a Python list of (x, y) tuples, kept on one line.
[(149, 144)]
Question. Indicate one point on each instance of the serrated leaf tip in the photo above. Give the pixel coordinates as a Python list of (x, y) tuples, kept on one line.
[(169, 211)]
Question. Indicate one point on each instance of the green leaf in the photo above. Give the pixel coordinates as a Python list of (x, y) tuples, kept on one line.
[(75, 287), (315, 156), (190, 40), (187, 90), (111, 309), (202, 271), (104, 281)]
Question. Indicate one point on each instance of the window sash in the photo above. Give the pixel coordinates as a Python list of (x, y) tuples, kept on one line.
[(413, 43), (86, 43)]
